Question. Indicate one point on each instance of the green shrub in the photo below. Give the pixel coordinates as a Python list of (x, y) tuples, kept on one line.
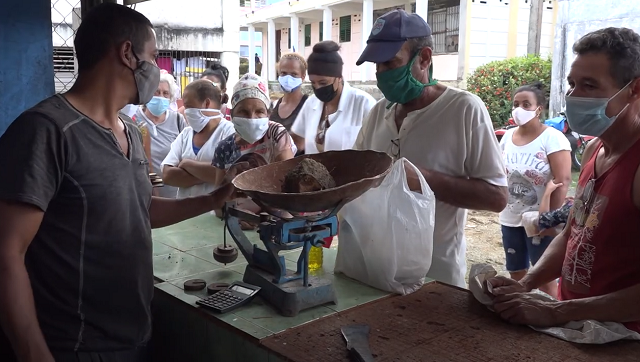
[(244, 66), (495, 83)]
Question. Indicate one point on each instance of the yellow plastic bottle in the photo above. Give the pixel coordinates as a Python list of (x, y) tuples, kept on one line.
[(315, 258)]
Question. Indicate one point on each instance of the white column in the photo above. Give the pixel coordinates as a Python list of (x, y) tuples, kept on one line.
[(327, 23), (422, 7), (271, 50), (295, 32), (367, 24), (252, 49), (230, 50)]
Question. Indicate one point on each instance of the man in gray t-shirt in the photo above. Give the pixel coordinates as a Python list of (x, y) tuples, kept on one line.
[(76, 210)]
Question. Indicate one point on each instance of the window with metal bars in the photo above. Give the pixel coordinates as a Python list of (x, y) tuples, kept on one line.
[(345, 29), (64, 68), (63, 59), (321, 37), (445, 25), (307, 35), (256, 4)]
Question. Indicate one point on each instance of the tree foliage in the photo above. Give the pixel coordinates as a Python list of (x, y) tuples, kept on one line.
[(496, 81)]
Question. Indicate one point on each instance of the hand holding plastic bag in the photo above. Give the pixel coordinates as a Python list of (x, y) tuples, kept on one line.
[(386, 235)]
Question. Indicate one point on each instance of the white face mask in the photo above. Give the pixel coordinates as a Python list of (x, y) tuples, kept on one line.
[(289, 83), (522, 116), (251, 129), (197, 120)]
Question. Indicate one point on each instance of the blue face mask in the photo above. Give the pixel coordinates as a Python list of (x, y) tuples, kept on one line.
[(158, 105), (587, 115), (289, 83)]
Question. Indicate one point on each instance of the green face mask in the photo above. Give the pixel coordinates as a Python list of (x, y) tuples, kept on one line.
[(399, 86)]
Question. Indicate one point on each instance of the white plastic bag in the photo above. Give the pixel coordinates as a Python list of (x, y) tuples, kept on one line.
[(386, 235)]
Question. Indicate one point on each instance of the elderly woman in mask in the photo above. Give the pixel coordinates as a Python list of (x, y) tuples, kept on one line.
[(188, 164), (162, 125), (254, 132)]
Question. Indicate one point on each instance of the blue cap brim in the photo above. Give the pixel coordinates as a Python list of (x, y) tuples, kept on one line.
[(380, 51)]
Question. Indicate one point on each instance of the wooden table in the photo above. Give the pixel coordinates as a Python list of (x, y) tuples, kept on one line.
[(439, 323)]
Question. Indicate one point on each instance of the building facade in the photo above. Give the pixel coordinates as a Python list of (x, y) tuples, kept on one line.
[(576, 19), (191, 35), (467, 33)]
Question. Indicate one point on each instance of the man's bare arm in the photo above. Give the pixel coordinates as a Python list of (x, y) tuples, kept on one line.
[(462, 192), (20, 223), (620, 306), (164, 212), (549, 267), (175, 176)]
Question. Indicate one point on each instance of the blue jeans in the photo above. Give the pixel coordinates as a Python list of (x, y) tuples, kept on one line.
[(520, 250)]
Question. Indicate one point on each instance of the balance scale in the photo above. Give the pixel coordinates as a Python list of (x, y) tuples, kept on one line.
[(290, 221)]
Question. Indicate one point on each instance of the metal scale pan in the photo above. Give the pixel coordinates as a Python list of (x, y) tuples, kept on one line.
[(354, 172)]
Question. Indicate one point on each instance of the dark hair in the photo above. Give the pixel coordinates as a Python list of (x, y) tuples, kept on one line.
[(222, 73), (326, 46), (417, 44), (219, 71), (620, 45), (325, 59), (537, 88), (205, 89), (106, 26)]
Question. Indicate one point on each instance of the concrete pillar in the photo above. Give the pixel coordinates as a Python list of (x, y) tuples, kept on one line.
[(265, 53), (327, 23), (535, 26), (271, 50), (422, 8), (231, 60), (295, 32), (252, 49), (230, 56), (367, 24), (26, 41)]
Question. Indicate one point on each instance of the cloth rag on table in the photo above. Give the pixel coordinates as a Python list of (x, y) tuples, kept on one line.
[(586, 332)]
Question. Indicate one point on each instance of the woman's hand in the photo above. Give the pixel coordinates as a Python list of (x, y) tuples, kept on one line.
[(552, 186)]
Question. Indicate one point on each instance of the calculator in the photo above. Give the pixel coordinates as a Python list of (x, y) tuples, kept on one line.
[(236, 295)]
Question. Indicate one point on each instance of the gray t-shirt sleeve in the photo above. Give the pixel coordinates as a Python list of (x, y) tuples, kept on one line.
[(34, 160)]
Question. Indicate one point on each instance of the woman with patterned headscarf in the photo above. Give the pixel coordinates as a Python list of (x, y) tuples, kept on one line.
[(255, 133)]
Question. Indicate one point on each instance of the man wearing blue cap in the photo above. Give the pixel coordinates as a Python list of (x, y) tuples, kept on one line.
[(445, 132)]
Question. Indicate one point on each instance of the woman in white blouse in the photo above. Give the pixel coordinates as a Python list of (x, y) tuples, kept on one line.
[(330, 119), (188, 163)]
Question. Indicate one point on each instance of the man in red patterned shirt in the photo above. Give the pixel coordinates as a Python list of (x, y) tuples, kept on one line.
[(597, 255)]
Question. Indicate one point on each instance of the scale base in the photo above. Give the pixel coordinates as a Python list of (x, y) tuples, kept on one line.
[(291, 297)]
